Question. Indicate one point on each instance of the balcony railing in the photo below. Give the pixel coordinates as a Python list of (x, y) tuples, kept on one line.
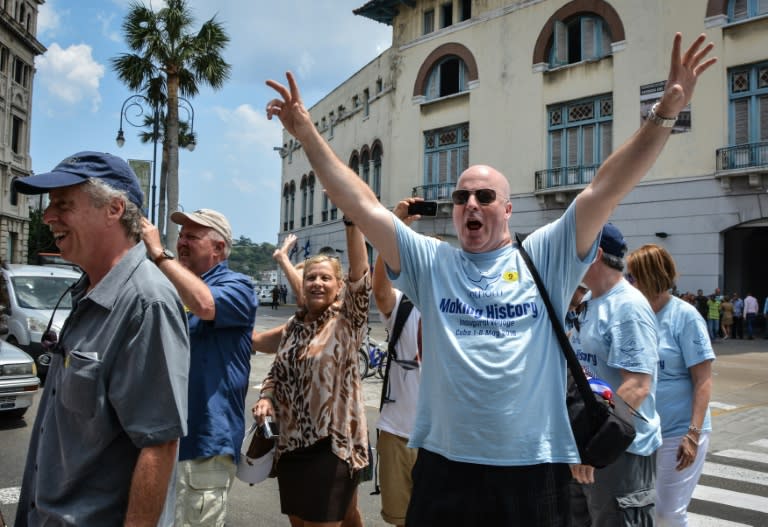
[(556, 178), (742, 157), (434, 192)]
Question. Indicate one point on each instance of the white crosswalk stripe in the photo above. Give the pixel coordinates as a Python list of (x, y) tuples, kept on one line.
[(733, 491)]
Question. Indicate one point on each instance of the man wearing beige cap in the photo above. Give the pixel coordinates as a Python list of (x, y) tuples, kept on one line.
[(221, 308)]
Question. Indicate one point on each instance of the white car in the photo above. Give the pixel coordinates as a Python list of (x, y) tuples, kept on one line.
[(18, 380), (28, 295)]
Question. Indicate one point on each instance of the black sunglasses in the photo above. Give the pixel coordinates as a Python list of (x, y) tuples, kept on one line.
[(484, 196)]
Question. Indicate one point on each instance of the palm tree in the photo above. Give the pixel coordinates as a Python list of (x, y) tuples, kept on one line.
[(168, 61)]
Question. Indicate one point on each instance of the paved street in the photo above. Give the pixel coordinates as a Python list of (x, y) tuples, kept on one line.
[(733, 491)]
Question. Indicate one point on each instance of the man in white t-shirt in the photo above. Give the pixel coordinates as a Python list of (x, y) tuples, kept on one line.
[(750, 314), (398, 411), (491, 424)]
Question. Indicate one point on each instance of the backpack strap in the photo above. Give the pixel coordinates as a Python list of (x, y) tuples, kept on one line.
[(403, 312)]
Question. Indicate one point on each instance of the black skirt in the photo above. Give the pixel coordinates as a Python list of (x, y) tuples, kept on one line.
[(315, 485)]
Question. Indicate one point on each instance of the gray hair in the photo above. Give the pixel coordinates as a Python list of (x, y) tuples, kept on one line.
[(101, 193), (614, 262), (215, 236)]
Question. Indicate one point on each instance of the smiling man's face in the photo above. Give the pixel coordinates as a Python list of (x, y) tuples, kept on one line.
[(483, 227)]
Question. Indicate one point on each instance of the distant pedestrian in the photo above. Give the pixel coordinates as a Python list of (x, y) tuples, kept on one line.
[(726, 317), (738, 316), (713, 317), (750, 313), (700, 301), (275, 297), (765, 316), (283, 294)]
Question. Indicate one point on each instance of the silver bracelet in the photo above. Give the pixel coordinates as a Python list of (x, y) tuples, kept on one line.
[(693, 429)]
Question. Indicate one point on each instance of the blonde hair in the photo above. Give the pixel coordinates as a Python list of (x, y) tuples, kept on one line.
[(320, 258), (653, 269)]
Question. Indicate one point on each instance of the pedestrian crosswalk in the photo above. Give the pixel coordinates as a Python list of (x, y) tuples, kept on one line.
[(733, 489)]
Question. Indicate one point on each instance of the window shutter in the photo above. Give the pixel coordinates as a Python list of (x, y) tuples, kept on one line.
[(433, 85), (573, 147), (588, 38), (443, 166), (588, 148), (606, 140), (762, 102), (556, 146), (740, 9), (762, 7), (560, 45), (740, 121)]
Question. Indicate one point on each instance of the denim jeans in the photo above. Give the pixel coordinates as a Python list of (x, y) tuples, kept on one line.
[(714, 327)]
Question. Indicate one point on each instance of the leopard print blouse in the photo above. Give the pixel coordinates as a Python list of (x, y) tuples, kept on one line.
[(315, 382)]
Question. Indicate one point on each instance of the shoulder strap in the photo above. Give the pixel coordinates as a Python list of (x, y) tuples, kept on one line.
[(570, 357), (403, 312)]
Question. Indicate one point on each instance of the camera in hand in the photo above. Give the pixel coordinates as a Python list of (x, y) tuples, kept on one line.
[(425, 208), (268, 429)]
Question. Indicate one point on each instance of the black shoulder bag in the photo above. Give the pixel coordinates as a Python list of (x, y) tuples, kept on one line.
[(603, 428), (403, 311)]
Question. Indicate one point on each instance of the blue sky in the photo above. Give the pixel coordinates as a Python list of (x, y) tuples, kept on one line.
[(77, 97)]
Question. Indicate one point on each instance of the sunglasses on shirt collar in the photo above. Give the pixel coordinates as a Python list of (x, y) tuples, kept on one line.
[(484, 196)]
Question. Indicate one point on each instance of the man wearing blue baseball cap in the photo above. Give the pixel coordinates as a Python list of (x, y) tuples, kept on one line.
[(104, 444), (618, 337)]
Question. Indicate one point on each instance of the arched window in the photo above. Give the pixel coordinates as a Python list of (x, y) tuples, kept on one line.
[(744, 9), (354, 163), (286, 205), (376, 182), (579, 38), (292, 206), (365, 169), (311, 199), (447, 77), (304, 201)]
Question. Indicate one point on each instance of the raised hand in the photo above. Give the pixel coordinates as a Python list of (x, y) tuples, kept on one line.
[(290, 110), (684, 71), (285, 249)]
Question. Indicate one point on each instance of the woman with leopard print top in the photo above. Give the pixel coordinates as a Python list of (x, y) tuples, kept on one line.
[(314, 390)]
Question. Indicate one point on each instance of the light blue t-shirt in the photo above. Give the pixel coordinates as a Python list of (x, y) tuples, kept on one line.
[(618, 332), (493, 376), (683, 342)]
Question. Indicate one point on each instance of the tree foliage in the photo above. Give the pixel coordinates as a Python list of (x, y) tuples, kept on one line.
[(251, 258), (40, 237), (168, 60)]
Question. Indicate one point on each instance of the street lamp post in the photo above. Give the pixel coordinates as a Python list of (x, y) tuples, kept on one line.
[(140, 106)]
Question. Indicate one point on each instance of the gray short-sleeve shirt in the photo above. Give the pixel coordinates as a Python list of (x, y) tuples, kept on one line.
[(117, 384)]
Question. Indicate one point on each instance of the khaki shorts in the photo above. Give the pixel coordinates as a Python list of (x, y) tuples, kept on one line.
[(202, 487), (395, 464)]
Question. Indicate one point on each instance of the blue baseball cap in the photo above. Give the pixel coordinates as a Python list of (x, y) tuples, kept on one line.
[(612, 241), (77, 168)]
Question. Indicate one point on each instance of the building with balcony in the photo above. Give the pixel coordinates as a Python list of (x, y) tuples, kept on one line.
[(18, 49), (544, 90)]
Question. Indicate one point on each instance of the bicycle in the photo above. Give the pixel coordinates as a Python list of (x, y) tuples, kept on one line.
[(372, 357)]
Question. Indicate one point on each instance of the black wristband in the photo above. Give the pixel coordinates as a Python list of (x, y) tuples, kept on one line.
[(347, 222)]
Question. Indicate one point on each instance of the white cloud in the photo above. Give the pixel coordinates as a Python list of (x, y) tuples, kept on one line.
[(71, 75), (249, 128), (106, 27), (48, 18)]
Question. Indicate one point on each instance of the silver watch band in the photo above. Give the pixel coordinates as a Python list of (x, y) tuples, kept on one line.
[(664, 122)]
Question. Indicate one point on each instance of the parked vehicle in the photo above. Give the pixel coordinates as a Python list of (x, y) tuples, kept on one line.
[(28, 296), (18, 381)]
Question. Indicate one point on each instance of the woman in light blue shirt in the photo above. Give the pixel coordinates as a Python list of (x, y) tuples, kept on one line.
[(684, 383)]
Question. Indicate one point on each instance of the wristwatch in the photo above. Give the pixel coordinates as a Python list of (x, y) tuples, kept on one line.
[(664, 122), (164, 255)]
